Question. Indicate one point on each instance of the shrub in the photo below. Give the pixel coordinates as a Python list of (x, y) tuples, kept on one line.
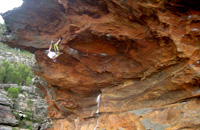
[(13, 92), (15, 73), (28, 116), (2, 29), (23, 71), (28, 81), (19, 88), (30, 126), (15, 129), (25, 124), (2, 74)]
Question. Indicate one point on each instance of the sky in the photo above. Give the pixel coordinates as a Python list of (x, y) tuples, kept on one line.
[(6, 5)]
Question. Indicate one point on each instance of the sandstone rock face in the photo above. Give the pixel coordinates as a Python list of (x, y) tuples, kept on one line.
[(127, 64)]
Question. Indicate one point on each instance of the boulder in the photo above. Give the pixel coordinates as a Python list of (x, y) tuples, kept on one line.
[(2, 127), (4, 100), (6, 116), (126, 64), (28, 89), (2, 91)]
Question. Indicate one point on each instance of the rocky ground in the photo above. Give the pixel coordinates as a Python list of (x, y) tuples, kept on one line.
[(16, 55), (30, 103)]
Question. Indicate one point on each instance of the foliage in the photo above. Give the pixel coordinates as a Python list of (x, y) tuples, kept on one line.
[(13, 92), (40, 120), (15, 129), (15, 73), (2, 74), (2, 28), (19, 89), (25, 124), (30, 127), (7, 48), (28, 115), (28, 81), (16, 51), (16, 114)]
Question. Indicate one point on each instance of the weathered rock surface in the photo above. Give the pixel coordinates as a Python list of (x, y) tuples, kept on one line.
[(29, 101), (6, 116), (4, 100), (15, 55), (127, 64), (2, 127)]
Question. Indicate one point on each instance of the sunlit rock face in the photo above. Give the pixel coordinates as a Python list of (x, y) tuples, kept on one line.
[(127, 64)]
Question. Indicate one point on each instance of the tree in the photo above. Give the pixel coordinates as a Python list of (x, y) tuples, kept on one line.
[(2, 74), (18, 73), (13, 92)]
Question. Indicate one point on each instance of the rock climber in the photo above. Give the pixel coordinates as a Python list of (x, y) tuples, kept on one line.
[(54, 54)]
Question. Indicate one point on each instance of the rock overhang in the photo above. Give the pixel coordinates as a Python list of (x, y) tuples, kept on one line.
[(132, 52)]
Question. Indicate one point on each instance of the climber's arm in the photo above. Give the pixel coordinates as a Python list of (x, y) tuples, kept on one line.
[(55, 56), (50, 46)]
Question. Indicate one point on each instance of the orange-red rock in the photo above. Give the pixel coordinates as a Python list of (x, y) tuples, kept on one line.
[(140, 59)]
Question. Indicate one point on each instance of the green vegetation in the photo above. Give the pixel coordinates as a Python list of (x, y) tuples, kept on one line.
[(15, 73), (40, 120), (28, 115), (26, 122), (6, 48), (16, 51), (30, 126), (13, 92), (15, 129), (16, 114), (2, 28)]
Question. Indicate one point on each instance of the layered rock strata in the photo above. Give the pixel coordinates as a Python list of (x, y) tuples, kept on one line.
[(14, 111), (126, 64), (6, 116)]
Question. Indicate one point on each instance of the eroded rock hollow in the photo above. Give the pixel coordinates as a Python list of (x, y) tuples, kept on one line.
[(126, 64)]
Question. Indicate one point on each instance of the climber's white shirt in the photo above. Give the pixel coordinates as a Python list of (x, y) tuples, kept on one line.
[(51, 54)]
